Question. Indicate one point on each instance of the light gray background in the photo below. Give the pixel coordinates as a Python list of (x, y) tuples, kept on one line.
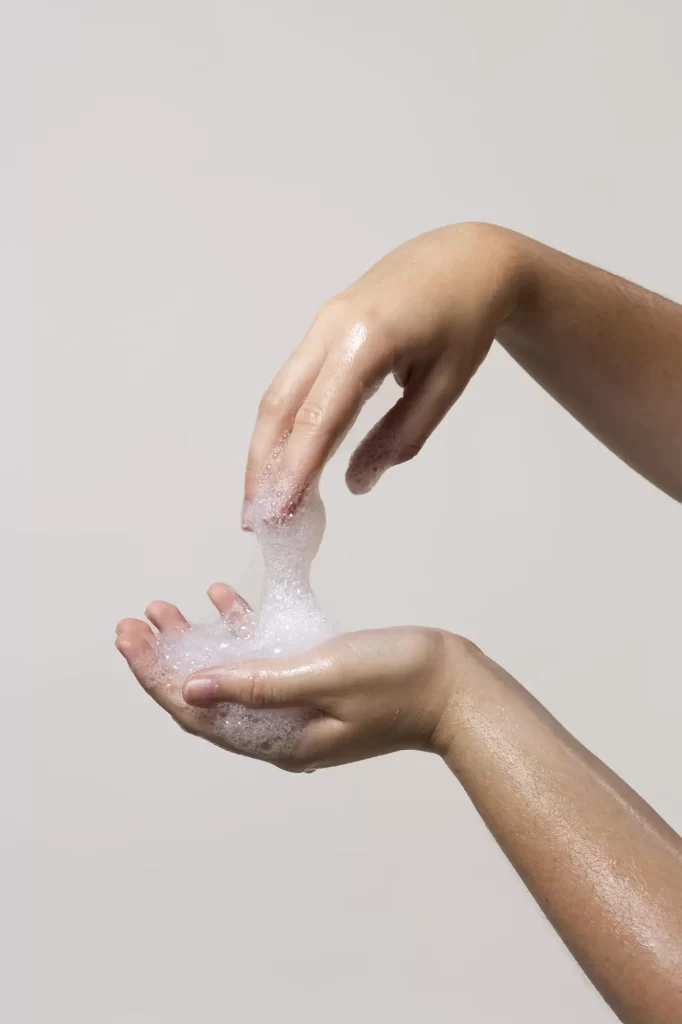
[(182, 184)]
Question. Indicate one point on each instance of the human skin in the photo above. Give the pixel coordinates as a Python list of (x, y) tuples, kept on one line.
[(428, 312), (604, 867)]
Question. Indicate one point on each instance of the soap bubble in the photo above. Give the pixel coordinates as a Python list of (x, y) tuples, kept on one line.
[(289, 622)]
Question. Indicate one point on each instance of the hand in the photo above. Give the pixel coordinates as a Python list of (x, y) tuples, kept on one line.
[(600, 862), (136, 641), (427, 313), (375, 692)]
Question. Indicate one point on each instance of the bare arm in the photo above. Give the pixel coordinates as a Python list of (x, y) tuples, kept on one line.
[(602, 865), (428, 312), (610, 352)]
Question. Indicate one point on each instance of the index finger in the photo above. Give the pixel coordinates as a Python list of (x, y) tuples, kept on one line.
[(349, 376), (279, 406)]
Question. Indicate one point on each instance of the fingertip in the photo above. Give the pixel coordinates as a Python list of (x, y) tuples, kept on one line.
[(134, 629), (124, 625), (123, 645), (229, 603), (364, 479), (166, 617), (356, 486), (134, 647)]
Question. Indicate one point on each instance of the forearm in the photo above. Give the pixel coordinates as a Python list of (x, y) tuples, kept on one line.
[(608, 351), (603, 866)]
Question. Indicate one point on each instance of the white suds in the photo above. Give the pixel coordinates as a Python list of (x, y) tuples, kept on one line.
[(289, 622)]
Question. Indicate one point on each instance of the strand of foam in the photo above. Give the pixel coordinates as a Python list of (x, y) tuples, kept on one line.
[(289, 622)]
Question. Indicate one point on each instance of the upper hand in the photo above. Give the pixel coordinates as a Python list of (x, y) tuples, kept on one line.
[(427, 313)]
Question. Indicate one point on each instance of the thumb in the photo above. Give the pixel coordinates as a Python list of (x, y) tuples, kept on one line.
[(265, 683)]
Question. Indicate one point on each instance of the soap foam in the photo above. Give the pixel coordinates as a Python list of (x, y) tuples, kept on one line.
[(289, 622)]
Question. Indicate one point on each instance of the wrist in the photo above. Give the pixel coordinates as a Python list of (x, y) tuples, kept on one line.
[(480, 701), (504, 258), (458, 686)]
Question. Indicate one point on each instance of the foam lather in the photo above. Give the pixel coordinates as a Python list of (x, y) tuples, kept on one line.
[(289, 622)]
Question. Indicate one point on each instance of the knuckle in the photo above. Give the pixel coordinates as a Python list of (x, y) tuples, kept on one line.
[(311, 415), (408, 450), (260, 691), (334, 308), (347, 655), (347, 309), (375, 321), (272, 404)]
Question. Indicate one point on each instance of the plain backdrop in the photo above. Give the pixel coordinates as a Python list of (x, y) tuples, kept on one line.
[(182, 184)]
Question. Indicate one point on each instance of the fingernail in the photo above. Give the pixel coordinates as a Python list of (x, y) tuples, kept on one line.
[(200, 690), (246, 515)]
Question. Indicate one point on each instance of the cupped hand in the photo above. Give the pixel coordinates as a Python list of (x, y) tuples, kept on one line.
[(426, 313), (372, 692)]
